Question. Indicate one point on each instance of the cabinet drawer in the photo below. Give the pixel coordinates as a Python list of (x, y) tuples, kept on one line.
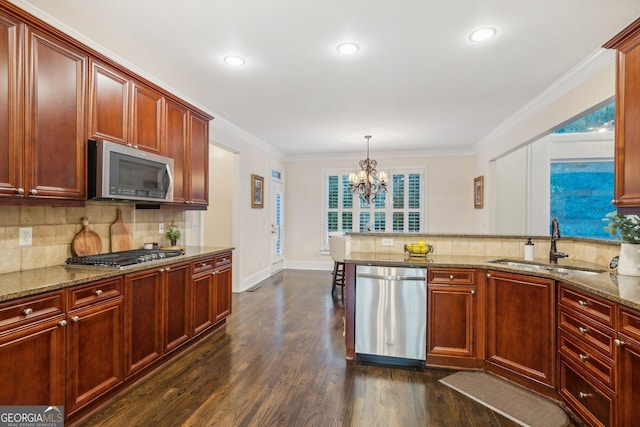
[(222, 259), (595, 335), (202, 264), (452, 276), (589, 305), (586, 358), (80, 296), (593, 403), (26, 310), (629, 322)]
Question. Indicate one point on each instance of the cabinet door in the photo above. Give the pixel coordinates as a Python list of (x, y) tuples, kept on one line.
[(176, 147), (32, 365), (11, 113), (199, 160), (452, 321), (55, 141), (142, 319), (177, 305), (146, 119), (629, 383), (521, 329), (222, 294), (203, 297), (94, 352), (109, 104)]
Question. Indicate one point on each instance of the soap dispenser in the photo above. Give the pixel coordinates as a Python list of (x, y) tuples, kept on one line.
[(529, 250)]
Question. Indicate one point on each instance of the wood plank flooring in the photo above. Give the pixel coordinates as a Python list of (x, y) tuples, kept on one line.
[(281, 363)]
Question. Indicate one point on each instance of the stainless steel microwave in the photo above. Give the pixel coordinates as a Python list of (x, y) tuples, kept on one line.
[(117, 172)]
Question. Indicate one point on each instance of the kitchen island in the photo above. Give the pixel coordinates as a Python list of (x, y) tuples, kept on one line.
[(571, 335)]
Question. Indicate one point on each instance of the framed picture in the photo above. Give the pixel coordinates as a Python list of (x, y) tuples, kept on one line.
[(478, 192), (257, 191)]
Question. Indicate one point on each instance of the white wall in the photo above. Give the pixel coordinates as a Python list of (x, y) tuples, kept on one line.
[(449, 201), (590, 83), (219, 216)]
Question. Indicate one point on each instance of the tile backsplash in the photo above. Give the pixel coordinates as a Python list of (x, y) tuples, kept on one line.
[(53, 229)]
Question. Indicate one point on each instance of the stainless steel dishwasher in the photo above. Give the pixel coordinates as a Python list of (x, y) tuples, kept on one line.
[(391, 315)]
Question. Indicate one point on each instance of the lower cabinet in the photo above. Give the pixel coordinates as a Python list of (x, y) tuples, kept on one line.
[(211, 291), (521, 329), (94, 342), (177, 306), (32, 350), (142, 319), (628, 344), (454, 318)]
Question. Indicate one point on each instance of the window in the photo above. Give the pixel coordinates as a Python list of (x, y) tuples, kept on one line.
[(401, 209)]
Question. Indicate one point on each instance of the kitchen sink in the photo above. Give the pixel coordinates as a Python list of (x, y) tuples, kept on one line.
[(548, 268)]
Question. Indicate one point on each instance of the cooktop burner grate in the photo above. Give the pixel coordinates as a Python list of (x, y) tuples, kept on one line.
[(124, 258)]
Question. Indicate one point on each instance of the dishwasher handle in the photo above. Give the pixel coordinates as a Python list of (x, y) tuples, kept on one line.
[(392, 278)]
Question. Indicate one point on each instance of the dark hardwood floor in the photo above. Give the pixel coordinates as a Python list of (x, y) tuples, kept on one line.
[(281, 363)]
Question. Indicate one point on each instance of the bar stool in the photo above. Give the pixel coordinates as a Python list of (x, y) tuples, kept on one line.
[(339, 247)]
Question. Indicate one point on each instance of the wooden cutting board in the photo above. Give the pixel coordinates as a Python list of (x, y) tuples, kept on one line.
[(87, 241), (120, 238)]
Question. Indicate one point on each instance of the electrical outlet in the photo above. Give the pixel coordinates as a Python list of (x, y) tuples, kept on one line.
[(194, 226), (161, 228), (387, 242), (26, 236)]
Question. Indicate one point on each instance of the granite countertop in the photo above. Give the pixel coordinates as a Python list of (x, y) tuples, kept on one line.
[(31, 282), (618, 288)]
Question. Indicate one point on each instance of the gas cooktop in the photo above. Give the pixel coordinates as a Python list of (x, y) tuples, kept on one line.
[(124, 258)]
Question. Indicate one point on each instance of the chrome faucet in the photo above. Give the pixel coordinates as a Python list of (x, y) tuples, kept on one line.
[(554, 254)]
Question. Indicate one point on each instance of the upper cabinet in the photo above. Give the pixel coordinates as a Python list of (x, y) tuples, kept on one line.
[(627, 133), (42, 110), (109, 104), (123, 110)]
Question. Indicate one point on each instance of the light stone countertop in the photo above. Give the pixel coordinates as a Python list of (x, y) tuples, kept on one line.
[(621, 289), (31, 282)]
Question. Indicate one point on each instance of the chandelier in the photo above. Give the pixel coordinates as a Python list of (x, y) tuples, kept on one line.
[(368, 182)]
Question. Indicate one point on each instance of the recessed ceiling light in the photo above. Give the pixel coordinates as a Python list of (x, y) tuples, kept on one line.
[(482, 34), (348, 48), (234, 60)]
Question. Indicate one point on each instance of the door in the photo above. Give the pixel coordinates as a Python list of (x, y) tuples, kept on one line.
[(277, 221)]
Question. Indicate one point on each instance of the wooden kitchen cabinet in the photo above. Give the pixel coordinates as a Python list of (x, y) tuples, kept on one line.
[(142, 319), (454, 331), (108, 103), (211, 291), (627, 131), (94, 342), (11, 105), (32, 350), (43, 137), (187, 142), (146, 118), (628, 345), (177, 305), (521, 329)]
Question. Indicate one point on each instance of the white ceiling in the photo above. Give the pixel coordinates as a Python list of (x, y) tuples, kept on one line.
[(417, 82)]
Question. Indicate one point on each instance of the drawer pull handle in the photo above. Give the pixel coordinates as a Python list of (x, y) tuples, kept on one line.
[(583, 303), (618, 343), (98, 292), (583, 357), (583, 395), (34, 192), (20, 190), (473, 292), (582, 330), (162, 270), (62, 323), (27, 311), (451, 277), (488, 276), (203, 265), (223, 260), (168, 269), (75, 319)]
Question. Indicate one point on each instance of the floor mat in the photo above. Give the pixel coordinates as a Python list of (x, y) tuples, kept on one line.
[(519, 405)]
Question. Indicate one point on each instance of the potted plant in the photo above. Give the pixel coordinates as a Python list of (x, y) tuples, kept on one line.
[(173, 234), (628, 227)]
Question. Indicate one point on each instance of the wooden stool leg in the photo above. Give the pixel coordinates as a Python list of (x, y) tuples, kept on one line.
[(334, 282)]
